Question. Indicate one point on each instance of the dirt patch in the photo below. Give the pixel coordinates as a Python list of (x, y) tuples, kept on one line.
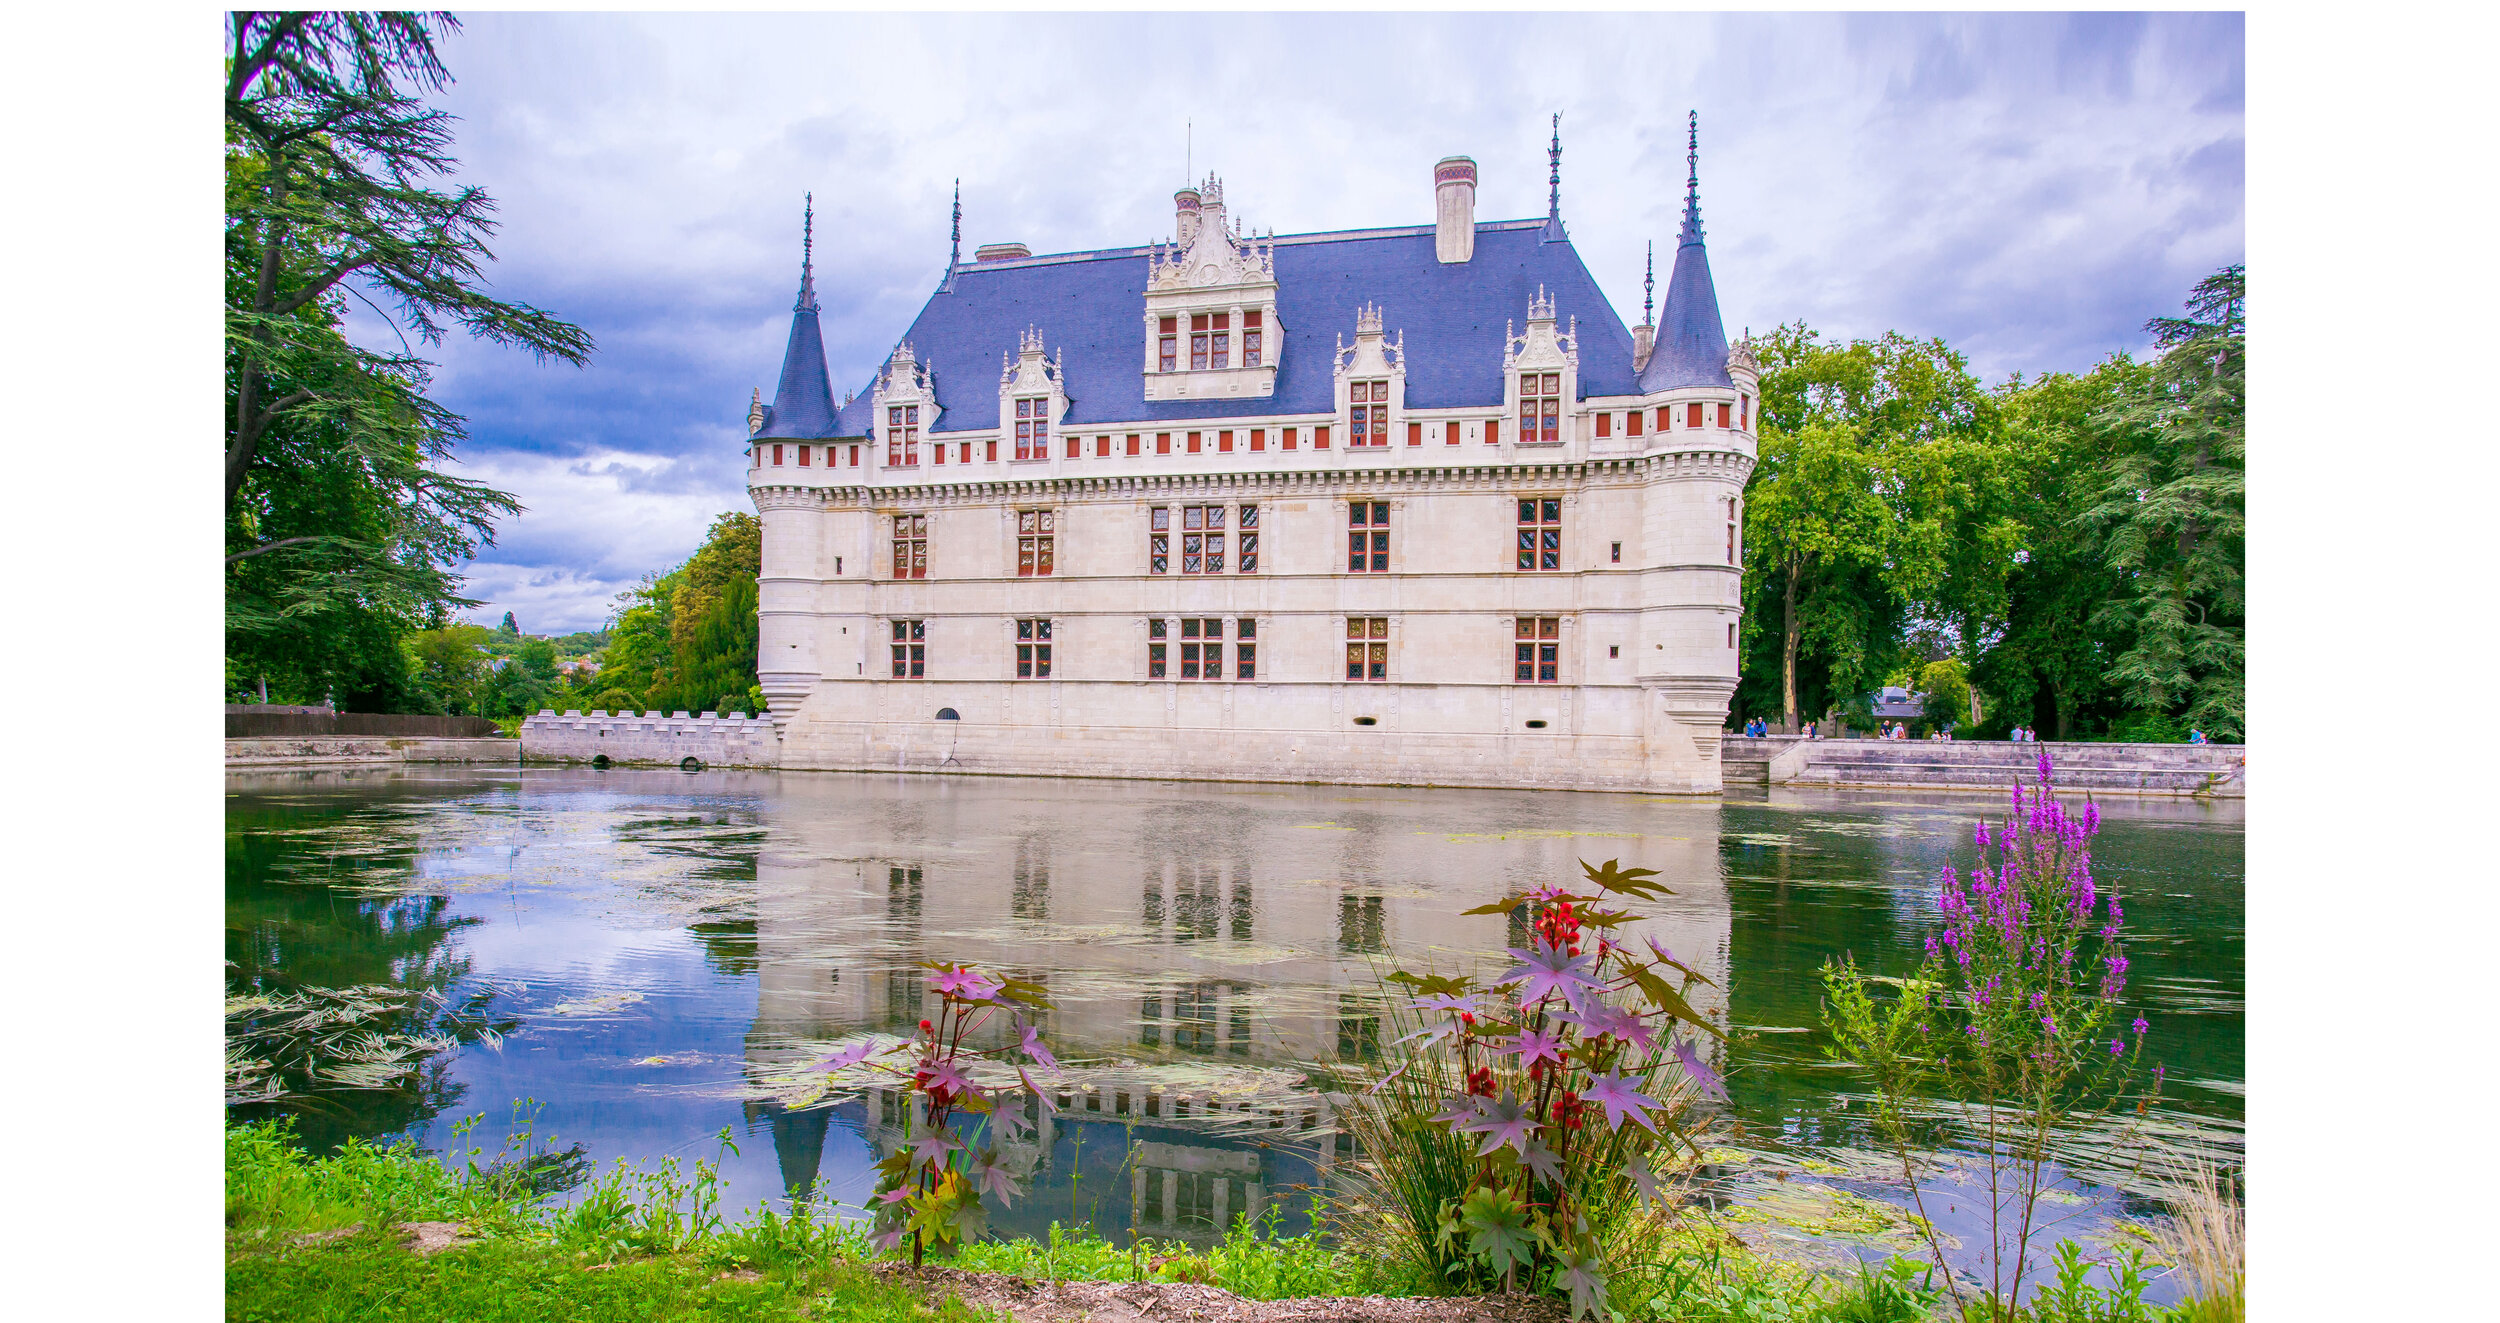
[(423, 1238), (1030, 1301)]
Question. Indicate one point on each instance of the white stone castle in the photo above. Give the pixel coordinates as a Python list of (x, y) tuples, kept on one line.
[(1406, 505)]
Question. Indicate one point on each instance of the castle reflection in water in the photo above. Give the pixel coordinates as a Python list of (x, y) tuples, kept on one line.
[(1204, 948)]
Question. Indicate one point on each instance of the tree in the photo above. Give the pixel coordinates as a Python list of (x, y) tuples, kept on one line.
[(2171, 520), (1948, 697), (448, 663), (509, 626), (338, 520), (1854, 518)]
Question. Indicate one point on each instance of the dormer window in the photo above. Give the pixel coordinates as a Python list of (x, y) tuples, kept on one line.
[(1167, 352), (1033, 428), (902, 435), (1540, 407), (1252, 333), (1210, 340), (1371, 414)]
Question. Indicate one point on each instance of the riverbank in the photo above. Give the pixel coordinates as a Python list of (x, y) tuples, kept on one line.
[(366, 750), (392, 1233)]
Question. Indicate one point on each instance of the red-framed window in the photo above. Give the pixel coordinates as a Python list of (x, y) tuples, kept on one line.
[(1033, 649), (911, 649), (1033, 429), (911, 546), (1202, 539), (1248, 527), (938, 452), (1605, 424), (1246, 649), (1731, 530), (1258, 439), (1414, 434), (1536, 650), (1102, 447), (1158, 648), (1202, 648), (1367, 647), (776, 456), (1163, 443), (1540, 533), (1319, 437), (854, 455), (1133, 439), (1540, 407), (1692, 415), (1370, 423), (1744, 412), (1665, 415), (1193, 443), (1167, 345), (1632, 422), (1725, 410), (1290, 436), (1253, 339), (1159, 539), (902, 435), (1036, 531), (803, 455), (1493, 432), (1450, 431), (1224, 441), (1367, 537)]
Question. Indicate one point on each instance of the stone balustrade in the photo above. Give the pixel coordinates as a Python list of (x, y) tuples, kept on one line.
[(710, 740)]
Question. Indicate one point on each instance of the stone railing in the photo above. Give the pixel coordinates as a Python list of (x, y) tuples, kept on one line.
[(709, 740)]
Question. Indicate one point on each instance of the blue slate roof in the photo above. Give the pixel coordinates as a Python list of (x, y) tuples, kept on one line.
[(802, 404), (1692, 341), (1090, 309)]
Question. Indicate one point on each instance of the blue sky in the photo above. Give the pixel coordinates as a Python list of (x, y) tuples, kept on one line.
[(2030, 187)]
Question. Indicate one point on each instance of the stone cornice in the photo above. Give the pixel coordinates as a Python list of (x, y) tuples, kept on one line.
[(1697, 464)]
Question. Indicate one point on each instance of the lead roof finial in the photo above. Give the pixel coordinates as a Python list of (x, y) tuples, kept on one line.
[(1553, 177), (807, 260), (1692, 179), (1649, 280), (955, 242)]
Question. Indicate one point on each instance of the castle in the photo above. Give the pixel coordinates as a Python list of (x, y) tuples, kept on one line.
[(1407, 505)]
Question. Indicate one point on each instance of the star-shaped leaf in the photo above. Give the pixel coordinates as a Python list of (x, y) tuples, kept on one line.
[(1462, 1109), (1532, 1046), (1645, 1179), (1502, 1121), (848, 1057), (963, 983), (1032, 1046), (1578, 1270), (1617, 1095), (1632, 882), (1542, 1161), (1659, 949), (933, 1146), (1546, 967), (1499, 1231), (1704, 1078), (1442, 1001), (1598, 1018), (989, 1177)]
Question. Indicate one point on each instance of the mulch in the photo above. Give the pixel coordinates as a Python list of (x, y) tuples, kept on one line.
[(1030, 1301)]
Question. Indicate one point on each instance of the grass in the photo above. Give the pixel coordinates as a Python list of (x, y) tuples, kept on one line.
[(2206, 1237), (1252, 1261)]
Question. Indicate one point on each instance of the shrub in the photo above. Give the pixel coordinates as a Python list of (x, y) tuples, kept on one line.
[(1512, 1135)]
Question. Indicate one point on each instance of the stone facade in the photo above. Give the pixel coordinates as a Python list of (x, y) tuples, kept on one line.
[(711, 740), (1032, 580)]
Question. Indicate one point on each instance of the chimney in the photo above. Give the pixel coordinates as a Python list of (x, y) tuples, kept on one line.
[(1454, 208), (1644, 339), (1185, 218), (1000, 252)]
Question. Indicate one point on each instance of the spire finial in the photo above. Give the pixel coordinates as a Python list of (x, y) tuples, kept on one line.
[(955, 241), (1649, 281), (1692, 179), (1553, 177), (807, 259)]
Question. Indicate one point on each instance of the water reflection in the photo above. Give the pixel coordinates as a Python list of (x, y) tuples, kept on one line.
[(670, 949)]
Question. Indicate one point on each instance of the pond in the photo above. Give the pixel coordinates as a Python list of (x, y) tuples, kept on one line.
[(642, 958)]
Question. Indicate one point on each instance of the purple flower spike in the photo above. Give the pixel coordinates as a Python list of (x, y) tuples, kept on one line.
[(2116, 1049), (2140, 1026), (2044, 767)]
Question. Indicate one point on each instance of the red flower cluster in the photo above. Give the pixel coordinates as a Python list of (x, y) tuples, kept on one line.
[(1480, 1081), (1560, 926), (1567, 1112)]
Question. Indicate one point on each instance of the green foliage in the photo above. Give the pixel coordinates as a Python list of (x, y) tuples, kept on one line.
[(686, 640), (1253, 1261), (342, 526), (1948, 692), (2172, 516)]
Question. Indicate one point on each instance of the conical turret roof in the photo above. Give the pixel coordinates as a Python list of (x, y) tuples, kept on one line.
[(802, 405), (1692, 341)]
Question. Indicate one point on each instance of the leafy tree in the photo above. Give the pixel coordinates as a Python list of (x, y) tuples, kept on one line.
[(448, 663), (687, 639), (2171, 520), (1948, 693), (339, 524), (1871, 452), (509, 626)]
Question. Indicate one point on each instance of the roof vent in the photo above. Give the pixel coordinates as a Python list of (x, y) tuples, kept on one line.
[(1000, 252)]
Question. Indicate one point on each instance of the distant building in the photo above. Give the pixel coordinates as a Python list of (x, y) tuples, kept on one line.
[(1894, 703), (1402, 504)]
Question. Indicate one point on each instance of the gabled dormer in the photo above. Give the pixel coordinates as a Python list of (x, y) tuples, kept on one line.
[(1371, 381), (903, 408), (1541, 374), (1210, 318), (1032, 398)]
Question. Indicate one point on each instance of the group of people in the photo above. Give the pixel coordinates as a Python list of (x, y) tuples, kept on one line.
[(2023, 735), (1894, 730), (1759, 728)]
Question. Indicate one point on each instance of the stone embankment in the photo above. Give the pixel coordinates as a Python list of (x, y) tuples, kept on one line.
[(348, 750), (710, 740), (2215, 770)]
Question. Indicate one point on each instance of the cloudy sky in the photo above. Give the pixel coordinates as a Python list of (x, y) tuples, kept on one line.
[(2029, 187)]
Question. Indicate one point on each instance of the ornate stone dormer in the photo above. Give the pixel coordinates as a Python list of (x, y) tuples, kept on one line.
[(1210, 316), (1541, 375), (755, 412), (1032, 398), (903, 408), (1370, 381)]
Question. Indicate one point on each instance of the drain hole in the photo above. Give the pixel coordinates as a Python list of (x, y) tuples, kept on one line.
[(690, 764), (948, 714), (1367, 721), (1536, 725), (599, 761)]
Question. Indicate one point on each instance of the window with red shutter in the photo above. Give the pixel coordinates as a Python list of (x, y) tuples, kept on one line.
[(1692, 415), (1632, 423), (1605, 424)]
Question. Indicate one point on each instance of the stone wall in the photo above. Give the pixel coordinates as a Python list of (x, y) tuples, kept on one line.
[(315, 750), (710, 739), (2218, 770)]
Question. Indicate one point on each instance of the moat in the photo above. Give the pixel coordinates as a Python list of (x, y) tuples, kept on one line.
[(652, 956)]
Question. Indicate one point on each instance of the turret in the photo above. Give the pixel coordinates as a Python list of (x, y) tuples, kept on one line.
[(802, 405), (1691, 346)]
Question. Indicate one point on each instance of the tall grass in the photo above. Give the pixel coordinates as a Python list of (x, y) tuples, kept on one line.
[(2205, 1239)]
